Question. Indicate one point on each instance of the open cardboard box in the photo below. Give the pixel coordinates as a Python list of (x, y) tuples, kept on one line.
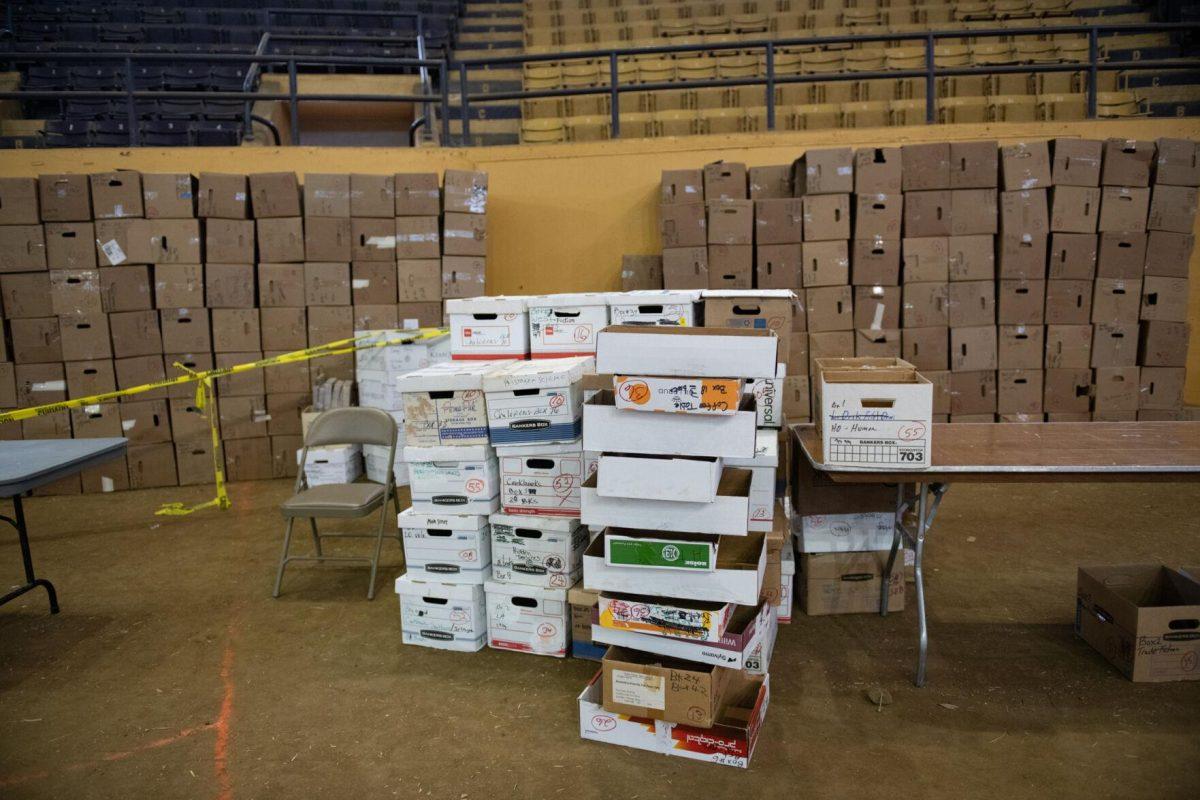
[(727, 514), (691, 620), (746, 633), (667, 689), (687, 352), (608, 429), (694, 479)]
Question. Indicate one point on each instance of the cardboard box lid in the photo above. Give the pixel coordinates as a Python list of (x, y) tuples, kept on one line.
[(470, 452), (1141, 595), (488, 305), (567, 300), (541, 374), (573, 447), (443, 591), (774, 294), (740, 553), (766, 451), (645, 297), (536, 522), (449, 376), (522, 590), (748, 352), (411, 518)]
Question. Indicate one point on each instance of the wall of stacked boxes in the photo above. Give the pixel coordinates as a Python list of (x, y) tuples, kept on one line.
[(1045, 280), (110, 279)]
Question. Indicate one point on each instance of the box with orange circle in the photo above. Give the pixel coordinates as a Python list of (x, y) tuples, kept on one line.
[(678, 395)]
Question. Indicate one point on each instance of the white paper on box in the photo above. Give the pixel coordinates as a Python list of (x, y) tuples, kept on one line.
[(542, 478), (678, 395), (441, 615), (639, 689), (536, 401), (488, 327), (410, 353), (445, 547), (565, 324), (688, 480), (654, 307), (537, 551), (607, 429), (874, 424), (463, 479), (686, 352), (846, 533), (444, 403), (725, 515), (527, 619)]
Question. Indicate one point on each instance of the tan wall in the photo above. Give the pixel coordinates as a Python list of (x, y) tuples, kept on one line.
[(561, 216)]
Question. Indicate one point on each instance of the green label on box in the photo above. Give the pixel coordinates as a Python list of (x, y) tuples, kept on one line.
[(661, 554)]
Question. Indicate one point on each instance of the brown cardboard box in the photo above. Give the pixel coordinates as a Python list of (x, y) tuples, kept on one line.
[(974, 165), (926, 259), (169, 195), (236, 330), (419, 315), (925, 305), (373, 239), (229, 285), (1020, 302), (178, 285), (778, 266), (374, 282), (19, 201), (1165, 299), (418, 194), (1123, 208), (776, 221), (1020, 346), (463, 276), (973, 212), (116, 194), (1024, 212), (70, 245), (329, 324), (730, 266), (1019, 391), (1115, 344), (412, 281), (249, 459), (177, 241), (823, 171), (280, 240), (1068, 302), (927, 214), (724, 180), (1118, 389), (291, 378), (1116, 300), (1074, 209), (926, 167), (829, 344), (879, 170), (136, 333), (940, 379), (1076, 162), (750, 311), (152, 466), (8, 388), (22, 248), (829, 308), (140, 370), (223, 196), (972, 393), (973, 349), (284, 411), (639, 273), (1162, 387), (114, 246), (1068, 346), (85, 336), (86, 378), (36, 340), (194, 462), (876, 216), (971, 303), (683, 225), (463, 235), (971, 258), (243, 417), (465, 192), (243, 384), (232, 241), (327, 283), (730, 222), (99, 421), (376, 317), (375, 196), (327, 195), (1121, 254), (419, 237), (1067, 391), (281, 285), (797, 359), (327, 239), (876, 262), (926, 348), (1025, 165), (38, 384), (881, 343), (690, 693), (680, 186), (1177, 163), (274, 194), (685, 268), (145, 421), (1127, 163), (814, 493), (1168, 254), (825, 263), (877, 308), (283, 458), (189, 422), (847, 583), (65, 198), (196, 362), (1073, 256), (827, 217), (185, 330), (126, 288), (284, 329), (26, 294), (75, 291), (797, 404), (765, 182), (1172, 208)]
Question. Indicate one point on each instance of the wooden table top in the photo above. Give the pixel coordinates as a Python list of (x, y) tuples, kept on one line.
[(1039, 451)]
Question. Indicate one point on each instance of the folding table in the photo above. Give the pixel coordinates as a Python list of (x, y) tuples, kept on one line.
[(1039, 452), (26, 465)]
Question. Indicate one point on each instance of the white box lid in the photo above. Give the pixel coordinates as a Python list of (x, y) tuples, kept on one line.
[(538, 523), (449, 376), (645, 297), (539, 374), (470, 452), (786, 294), (568, 300), (575, 446), (521, 590), (411, 518), (487, 305), (446, 591), (407, 338)]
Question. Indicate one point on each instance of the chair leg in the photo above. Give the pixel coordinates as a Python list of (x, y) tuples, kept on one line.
[(316, 537), (283, 557), (383, 514)]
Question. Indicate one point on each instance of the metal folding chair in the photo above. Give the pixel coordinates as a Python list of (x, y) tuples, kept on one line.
[(342, 500)]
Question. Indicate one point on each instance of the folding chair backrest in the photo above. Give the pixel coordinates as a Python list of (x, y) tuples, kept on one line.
[(352, 426)]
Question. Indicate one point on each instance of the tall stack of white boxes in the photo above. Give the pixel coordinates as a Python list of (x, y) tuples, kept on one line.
[(679, 571)]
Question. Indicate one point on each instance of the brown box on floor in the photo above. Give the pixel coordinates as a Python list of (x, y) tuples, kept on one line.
[(194, 462), (926, 348), (1118, 390), (136, 333), (683, 225), (1121, 255), (926, 259), (973, 349), (274, 194), (685, 268), (178, 285), (328, 239), (327, 195), (927, 214), (126, 288), (281, 285), (26, 294), (730, 222), (1072, 256), (374, 282), (141, 370), (418, 194), (1162, 387), (232, 241), (249, 459), (777, 221), (374, 195), (827, 217), (185, 330), (243, 417), (19, 201), (280, 240), (1025, 165), (973, 393), (875, 262), (87, 378), (65, 198), (1020, 302), (284, 329), (876, 216), (1172, 208), (251, 383), (971, 303), (639, 273), (1067, 391), (877, 343), (1177, 162), (152, 465), (75, 291), (825, 263), (22, 248), (412, 281), (284, 412), (1116, 300), (974, 165), (36, 340), (1019, 391), (145, 421), (765, 182), (1163, 344), (823, 171), (847, 583), (730, 266), (778, 266), (1068, 346), (70, 245), (169, 195), (878, 169), (85, 336), (283, 455), (971, 258), (926, 167), (463, 276), (681, 186), (419, 237), (236, 330), (189, 422), (1168, 254), (462, 235), (116, 194), (1021, 346), (1068, 302), (229, 285), (1074, 209), (1123, 208), (223, 196), (1115, 344), (829, 308), (724, 180), (111, 476), (1076, 162), (373, 239), (327, 283), (925, 305), (1165, 299), (1127, 162)]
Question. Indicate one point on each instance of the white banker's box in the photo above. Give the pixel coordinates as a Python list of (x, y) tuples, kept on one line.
[(845, 533), (546, 552), (444, 405), (411, 351), (536, 401), (874, 414), (565, 324), (334, 463), (666, 307), (528, 619), (445, 479), (543, 478), (488, 327), (442, 615), (450, 548)]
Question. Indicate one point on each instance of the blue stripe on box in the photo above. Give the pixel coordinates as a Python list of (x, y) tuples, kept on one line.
[(592, 652), (553, 433), (462, 433)]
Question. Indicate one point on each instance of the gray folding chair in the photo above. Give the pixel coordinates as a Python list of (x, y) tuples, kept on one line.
[(342, 500)]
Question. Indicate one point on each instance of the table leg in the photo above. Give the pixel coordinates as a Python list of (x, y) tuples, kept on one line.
[(919, 574), (31, 580)]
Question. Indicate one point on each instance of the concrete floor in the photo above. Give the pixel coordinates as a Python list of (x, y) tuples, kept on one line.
[(172, 673)]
